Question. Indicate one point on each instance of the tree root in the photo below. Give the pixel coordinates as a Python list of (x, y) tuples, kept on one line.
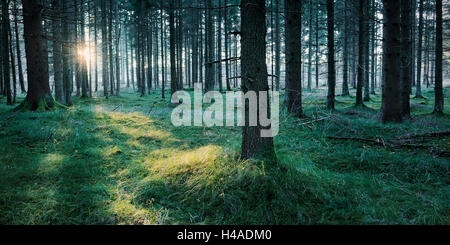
[(41, 106)]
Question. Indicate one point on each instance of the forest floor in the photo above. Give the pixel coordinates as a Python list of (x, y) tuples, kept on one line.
[(120, 161)]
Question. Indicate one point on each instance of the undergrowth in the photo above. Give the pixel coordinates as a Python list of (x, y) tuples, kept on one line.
[(120, 161)]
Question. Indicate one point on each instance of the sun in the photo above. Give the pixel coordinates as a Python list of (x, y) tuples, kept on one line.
[(85, 54)]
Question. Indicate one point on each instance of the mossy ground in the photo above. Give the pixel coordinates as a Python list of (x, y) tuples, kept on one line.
[(120, 161)]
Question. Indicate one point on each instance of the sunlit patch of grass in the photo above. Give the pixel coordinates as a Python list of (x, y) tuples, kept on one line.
[(182, 162), (126, 213)]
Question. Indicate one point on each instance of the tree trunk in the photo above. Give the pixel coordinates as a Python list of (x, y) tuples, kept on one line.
[(419, 53), (39, 96), (116, 17), (173, 69), (317, 45), (361, 53), (110, 47), (105, 75), (366, 51), (391, 108), (163, 89), (277, 46), (150, 53), (439, 96), (209, 83), (293, 57), (5, 51), (227, 47), (331, 61), (254, 74), (219, 47), (345, 90), (18, 51), (66, 60), (57, 60), (310, 44), (13, 64), (95, 46), (406, 56)]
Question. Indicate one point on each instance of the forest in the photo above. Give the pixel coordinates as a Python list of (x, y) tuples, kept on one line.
[(354, 95)]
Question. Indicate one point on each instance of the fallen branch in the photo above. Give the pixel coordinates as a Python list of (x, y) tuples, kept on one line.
[(429, 134), (380, 142), (314, 121)]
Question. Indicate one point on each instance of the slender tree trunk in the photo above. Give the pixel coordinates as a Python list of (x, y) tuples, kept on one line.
[(391, 108), (438, 91), (173, 70), (227, 47), (331, 61), (156, 55), (84, 60), (66, 56), (317, 45), (57, 60), (419, 53), (150, 54), (18, 51), (13, 64), (163, 89), (116, 17), (127, 65), (310, 44), (277, 46), (406, 56), (219, 47), (5, 51), (209, 83), (110, 47), (95, 46), (345, 90), (361, 52), (366, 52), (373, 48), (293, 57), (105, 75), (2, 89)]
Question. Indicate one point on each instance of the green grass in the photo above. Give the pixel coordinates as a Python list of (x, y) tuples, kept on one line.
[(120, 161)]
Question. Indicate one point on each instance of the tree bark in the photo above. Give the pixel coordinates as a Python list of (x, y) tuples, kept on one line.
[(210, 81), (5, 51), (419, 53), (310, 44), (361, 52), (173, 68), (439, 96), (254, 75), (39, 96), (277, 46), (117, 30), (18, 51), (331, 62), (391, 108), (406, 57), (105, 74), (57, 49), (293, 57)]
